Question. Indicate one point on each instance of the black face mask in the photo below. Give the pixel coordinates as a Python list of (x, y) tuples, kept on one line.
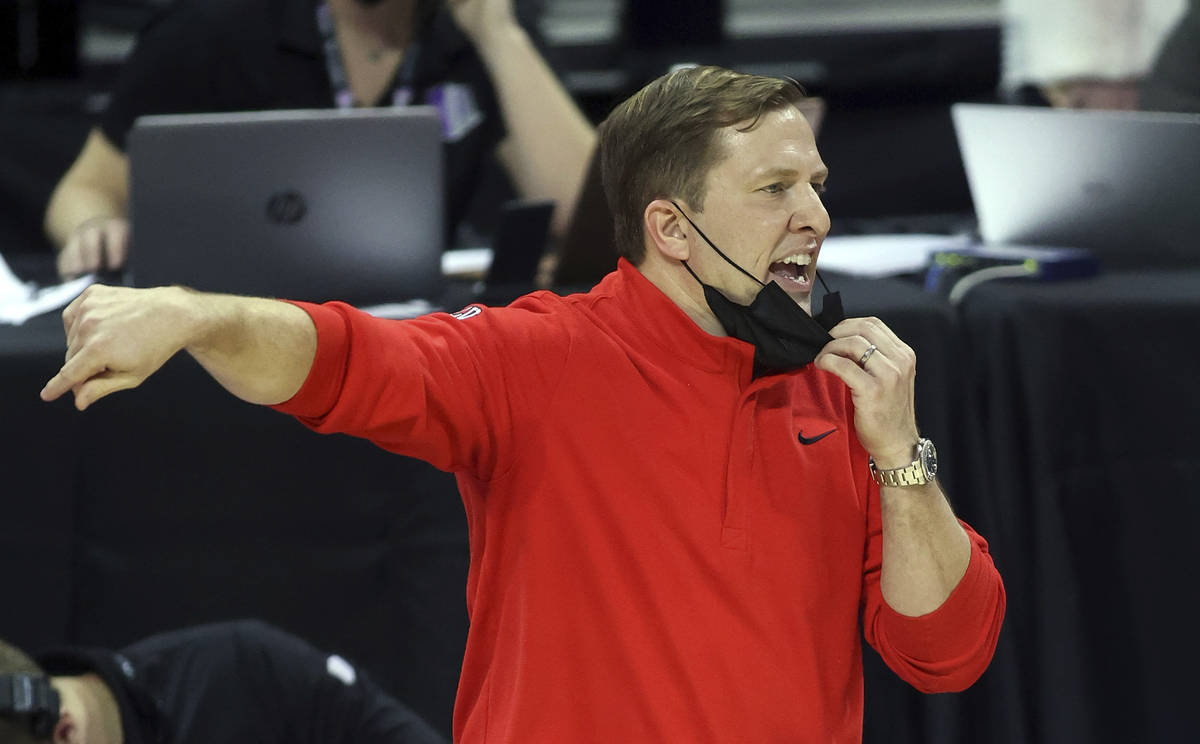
[(784, 337)]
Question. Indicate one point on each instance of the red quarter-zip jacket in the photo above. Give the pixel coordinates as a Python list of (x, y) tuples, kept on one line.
[(655, 555)]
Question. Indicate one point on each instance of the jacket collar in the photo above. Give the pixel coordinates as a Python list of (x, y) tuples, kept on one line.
[(665, 325)]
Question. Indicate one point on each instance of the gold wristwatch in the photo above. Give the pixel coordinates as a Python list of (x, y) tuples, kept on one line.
[(920, 471)]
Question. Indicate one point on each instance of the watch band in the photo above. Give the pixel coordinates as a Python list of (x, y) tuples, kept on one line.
[(913, 474), (909, 475)]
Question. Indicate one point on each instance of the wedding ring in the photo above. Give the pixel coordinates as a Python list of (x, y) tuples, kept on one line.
[(862, 360)]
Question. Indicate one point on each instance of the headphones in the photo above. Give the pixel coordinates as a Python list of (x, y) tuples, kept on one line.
[(29, 695)]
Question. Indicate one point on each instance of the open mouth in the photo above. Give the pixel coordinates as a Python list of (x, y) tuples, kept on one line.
[(793, 272)]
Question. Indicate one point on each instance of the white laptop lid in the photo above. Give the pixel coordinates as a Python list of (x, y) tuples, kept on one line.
[(308, 205), (1124, 184)]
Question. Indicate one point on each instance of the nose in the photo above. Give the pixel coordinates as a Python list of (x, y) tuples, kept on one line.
[(809, 214)]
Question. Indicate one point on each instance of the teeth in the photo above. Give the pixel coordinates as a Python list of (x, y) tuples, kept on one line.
[(802, 259)]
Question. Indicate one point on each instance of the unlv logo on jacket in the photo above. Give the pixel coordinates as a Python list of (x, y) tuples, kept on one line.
[(470, 311)]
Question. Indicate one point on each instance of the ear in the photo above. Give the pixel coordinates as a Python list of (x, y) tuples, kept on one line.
[(666, 230), (66, 731)]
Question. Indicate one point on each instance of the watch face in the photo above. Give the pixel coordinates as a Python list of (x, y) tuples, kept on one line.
[(929, 458)]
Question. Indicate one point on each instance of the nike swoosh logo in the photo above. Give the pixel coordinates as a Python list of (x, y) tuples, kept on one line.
[(813, 440)]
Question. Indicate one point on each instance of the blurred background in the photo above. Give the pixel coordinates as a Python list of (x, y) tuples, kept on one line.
[(887, 70), (908, 58)]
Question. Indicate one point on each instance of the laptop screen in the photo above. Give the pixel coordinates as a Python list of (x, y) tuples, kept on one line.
[(1122, 184), (309, 205)]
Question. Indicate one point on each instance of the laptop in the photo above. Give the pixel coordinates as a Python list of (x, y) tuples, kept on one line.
[(1122, 184), (306, 204)]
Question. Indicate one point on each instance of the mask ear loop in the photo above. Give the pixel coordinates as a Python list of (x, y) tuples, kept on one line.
[(715, 248), (821, 278), (727, 259)]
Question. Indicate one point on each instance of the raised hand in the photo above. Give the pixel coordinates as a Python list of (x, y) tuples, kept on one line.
[(880, 371)]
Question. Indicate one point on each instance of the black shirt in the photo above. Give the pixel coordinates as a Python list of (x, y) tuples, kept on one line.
[(241, 682), (204, 56)]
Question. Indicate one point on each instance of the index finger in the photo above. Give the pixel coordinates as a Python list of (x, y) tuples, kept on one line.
[(78, 369), (54, 389)]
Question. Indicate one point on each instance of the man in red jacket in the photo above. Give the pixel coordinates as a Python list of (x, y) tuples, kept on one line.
[(685, 493)]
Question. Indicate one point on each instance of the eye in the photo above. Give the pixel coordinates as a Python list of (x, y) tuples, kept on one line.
[(819, 187), (774, 188)]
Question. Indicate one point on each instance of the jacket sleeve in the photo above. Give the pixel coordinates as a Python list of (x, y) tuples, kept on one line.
[(945, 650), (454, 390)]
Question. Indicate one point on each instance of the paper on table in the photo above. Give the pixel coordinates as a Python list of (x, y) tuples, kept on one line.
[(884, 255), (20, 301), (466, 261)]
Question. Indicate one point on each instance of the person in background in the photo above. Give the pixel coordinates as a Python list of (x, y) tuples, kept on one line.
[(470, 58), (225, 683), (1082, 53)]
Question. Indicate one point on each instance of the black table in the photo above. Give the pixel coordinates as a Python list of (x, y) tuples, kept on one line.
[(1087, 396)]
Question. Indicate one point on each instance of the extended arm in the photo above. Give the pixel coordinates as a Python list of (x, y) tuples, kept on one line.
[(549, 139), (259, 350)]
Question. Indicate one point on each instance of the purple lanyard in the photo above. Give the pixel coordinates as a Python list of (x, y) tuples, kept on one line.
[(403, 90)]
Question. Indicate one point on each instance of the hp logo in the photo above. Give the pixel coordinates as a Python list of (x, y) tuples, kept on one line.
[(286, 208)]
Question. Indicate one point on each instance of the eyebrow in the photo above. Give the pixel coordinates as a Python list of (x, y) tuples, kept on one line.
[(818, 175)]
